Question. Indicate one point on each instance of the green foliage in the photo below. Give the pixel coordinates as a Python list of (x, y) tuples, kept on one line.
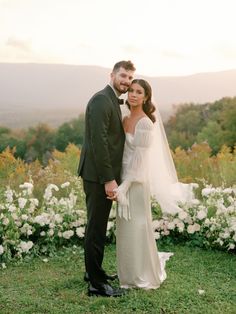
[(39, 142), (213, 134), (11, 140), (198, 165), (214, 123), (70, 132)]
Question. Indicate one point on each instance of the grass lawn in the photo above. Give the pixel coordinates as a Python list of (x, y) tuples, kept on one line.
[(56, 286)]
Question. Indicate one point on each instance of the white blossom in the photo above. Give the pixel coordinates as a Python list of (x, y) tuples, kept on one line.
[(24, 217), (22, 201), (195, 202), (180, 226), (12, 208), (201, 215), (29, 232), (194, 185), (1, 249), (227, 191), (9, 195), (25, 246), (42, 219), (80, 232), (48, 191), (156, 224), (58, 218), (157, 235), (182, 215), (208, 190), (5, 221), (28, 187), (64, 185), (171, 225), (51, 232), (68, 234), (191, 229), (231, 246)]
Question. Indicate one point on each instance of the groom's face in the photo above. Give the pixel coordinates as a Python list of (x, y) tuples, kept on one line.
[(121, 80)]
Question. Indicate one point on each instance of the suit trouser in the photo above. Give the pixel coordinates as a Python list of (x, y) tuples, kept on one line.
[(98, 210)]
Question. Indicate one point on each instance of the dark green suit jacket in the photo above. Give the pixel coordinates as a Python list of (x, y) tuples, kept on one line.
[(102, 151)]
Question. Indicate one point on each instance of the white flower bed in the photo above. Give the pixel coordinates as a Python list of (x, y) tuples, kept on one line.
[(210, 222), (29, 226)]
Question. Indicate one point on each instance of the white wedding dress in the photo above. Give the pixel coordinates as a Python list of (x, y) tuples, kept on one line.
[(139, 263)]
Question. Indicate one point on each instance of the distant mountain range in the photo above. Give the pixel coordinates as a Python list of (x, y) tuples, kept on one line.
[(54, 93)]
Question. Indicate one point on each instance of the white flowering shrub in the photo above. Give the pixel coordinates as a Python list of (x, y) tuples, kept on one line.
[(31, 226), (209, 222)]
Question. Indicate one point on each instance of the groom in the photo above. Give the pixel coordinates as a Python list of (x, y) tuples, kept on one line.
[(100, 167)]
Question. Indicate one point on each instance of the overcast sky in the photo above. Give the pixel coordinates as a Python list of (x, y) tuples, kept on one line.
[(162, 37)]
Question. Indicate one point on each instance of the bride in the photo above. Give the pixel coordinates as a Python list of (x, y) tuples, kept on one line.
[(147, 170)]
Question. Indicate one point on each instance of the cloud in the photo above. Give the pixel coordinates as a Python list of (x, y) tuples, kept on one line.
[(226, 50), (132, 49), (172, 54), (23, 45)]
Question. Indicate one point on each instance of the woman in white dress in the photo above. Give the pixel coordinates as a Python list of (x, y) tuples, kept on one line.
[(139, 263)]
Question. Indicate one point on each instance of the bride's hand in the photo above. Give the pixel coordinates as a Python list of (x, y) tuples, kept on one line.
[(120, 193)]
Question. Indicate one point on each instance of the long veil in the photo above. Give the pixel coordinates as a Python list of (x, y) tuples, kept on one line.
[(164, 183)]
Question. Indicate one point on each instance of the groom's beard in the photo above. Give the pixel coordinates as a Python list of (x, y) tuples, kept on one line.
[(122, 88)]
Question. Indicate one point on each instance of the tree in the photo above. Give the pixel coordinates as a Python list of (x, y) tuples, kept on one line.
[(12, 139), (213, 134), (229, 123), (70, 132), (183, 128), (40, 141)]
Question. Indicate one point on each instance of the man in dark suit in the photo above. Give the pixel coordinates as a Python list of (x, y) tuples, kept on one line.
[(100, 167)]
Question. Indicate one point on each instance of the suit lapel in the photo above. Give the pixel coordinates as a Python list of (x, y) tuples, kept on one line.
[(114, 99)]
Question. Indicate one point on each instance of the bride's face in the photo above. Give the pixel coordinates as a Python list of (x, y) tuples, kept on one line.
[(136, 95)]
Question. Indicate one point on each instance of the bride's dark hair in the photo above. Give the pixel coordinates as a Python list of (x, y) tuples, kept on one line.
[(148, 106)]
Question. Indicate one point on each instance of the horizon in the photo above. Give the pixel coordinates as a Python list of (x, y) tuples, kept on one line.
[(104, 67), (33, 92)]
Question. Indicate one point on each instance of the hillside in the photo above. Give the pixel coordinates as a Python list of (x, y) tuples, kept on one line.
[(54, 93)]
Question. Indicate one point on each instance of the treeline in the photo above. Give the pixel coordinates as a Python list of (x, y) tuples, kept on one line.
[(214, 123), (38, 142)]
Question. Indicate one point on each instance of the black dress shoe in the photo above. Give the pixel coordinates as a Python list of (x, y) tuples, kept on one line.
[(107, 277), (111, 277), (105, 290)]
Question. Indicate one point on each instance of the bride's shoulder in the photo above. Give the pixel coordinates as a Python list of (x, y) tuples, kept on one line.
[(145, 123)]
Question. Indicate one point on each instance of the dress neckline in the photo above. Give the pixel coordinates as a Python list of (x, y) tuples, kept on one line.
[(132, 134)]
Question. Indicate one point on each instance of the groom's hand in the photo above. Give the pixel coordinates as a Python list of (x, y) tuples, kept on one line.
[(109, 189)]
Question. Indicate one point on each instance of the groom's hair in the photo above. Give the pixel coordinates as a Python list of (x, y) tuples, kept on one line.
[(127, 65)]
